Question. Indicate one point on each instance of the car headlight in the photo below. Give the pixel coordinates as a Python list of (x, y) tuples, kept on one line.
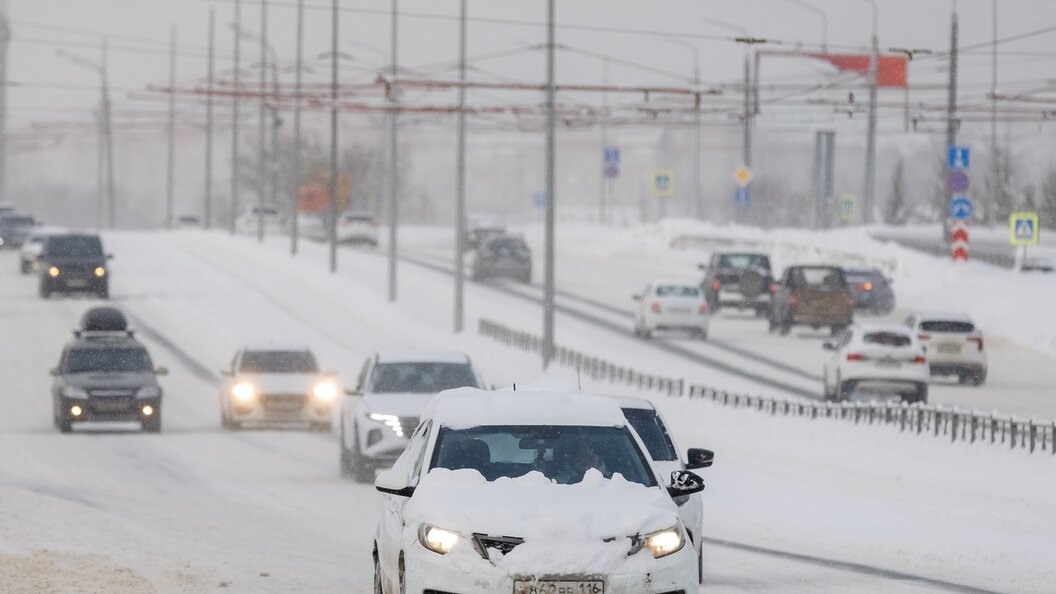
[(325, 391), (244, 391), (436, 539), (100, 271), (660, 543), (74, 392), (148, 392), (53, 271), (391, 421)]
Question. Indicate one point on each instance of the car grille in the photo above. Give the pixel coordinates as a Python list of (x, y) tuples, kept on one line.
[(486, 544), (284, 402), (117, 404), (112, 392)]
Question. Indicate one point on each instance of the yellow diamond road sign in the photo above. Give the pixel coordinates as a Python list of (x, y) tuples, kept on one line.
[(742, 176)]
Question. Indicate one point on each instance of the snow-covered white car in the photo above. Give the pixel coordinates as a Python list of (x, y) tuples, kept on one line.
[(267, 385), (526, 493), (378, 416), (875, 358), (671, 305), (356, 227), (30, 252), (954, 344), (249, 221), (649, 424)]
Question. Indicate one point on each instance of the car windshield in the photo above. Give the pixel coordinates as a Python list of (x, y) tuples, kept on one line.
[(71, 246), (677, 291), (650, 428), (950, 326), (562, 454), (743, 261), (107, 360), (278, 362), (887, 339), (421, 378), (825, 278), (506, 245)]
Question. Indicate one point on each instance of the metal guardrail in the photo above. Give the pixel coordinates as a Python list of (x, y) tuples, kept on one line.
[(933, 420)]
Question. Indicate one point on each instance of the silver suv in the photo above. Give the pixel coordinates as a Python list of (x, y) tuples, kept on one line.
[(105, 374)]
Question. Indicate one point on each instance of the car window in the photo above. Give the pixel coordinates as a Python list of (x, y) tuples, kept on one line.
[(947, 326), (887, 339), (561, 453), (107, 360), (278, 362), (650, 428), (827, 278), (417, 447), (677, 291), (17, 221), (845, 339), (421, 378), (74, 246), (744, 261)]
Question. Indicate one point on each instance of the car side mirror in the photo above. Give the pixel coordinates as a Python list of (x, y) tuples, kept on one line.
[(684, 482), (636, 297), (54, 372), (161, 371), (699, 458), (394, 482), (702, 267), (828, 346), (109, 256)]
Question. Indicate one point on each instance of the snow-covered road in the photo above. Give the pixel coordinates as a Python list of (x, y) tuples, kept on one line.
[(792, 505)]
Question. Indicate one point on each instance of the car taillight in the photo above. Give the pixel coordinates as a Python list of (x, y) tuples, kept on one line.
[(978, 340), (919, 360), (855, 357), (655, 307), (923, 337), (716, 285), (773, 288), (867, 286), (791, 299), (850, 300), (703, 309)]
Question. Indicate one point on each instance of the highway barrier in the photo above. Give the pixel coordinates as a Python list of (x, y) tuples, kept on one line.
[(934, 420)]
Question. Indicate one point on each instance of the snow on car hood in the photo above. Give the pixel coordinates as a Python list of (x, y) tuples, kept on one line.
[(401, 405), (564, 527)]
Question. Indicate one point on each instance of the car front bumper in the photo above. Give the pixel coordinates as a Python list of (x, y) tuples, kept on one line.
[(269, 409), (109, 409)]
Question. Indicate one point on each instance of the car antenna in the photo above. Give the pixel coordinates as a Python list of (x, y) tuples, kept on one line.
[(514, 386)]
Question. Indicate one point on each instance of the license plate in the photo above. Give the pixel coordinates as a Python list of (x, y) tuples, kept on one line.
[(887, 363), (111, 405), (77, 282), (283, 403), (558, 587), (680, 311), (949, 348)]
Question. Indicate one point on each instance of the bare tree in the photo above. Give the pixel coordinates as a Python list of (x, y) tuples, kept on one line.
[(1047, 206)]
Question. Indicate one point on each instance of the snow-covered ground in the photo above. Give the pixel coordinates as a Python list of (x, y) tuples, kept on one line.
[(791, 504)]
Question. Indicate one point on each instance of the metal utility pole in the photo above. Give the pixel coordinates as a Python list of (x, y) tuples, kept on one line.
[(297, 158), (551, 194), (332, 223), (746, 146), (604, 185), (951, 106), (5, 39), (870, 147), (208, 210), (262, 128), (989, 203), (460, 175), (170, 177), (394, 209), (695, 206), (234, 117), (109, 136)]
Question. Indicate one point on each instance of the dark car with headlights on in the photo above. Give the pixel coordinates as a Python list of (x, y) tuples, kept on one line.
[(871, 290), (105, 374), (73, 262), (503, 256)]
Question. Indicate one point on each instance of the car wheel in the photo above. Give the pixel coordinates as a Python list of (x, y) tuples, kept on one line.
[(153, 424), (65, 426), (920, 395), (45, 291), (844, 389), (761, 312), (702, 334), (700, 566), (24, 267), (354, 463), (103, 292), (403, 576), (786, 325), (979, 377), (378, 589)]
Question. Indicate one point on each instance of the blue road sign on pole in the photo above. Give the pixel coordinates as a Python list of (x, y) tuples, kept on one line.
[(957, 181), (961, 208), (958, 157), (742, 196), (611, 159), (539, 199)]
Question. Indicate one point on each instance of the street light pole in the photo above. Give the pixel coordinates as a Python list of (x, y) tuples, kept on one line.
[(988, 205), (262, 126), (551, 197), (870, 147), (207, 215), (460, 176), (170, 177), (297, 158), (332, 223), (235, 116), (394, 209)]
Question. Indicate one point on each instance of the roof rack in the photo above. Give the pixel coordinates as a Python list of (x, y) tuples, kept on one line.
[(103, 334)]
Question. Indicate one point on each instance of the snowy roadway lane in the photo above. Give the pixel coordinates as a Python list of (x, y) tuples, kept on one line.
[(199, 509)]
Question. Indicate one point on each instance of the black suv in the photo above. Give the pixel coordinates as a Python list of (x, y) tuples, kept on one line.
[(504, 256), (105, 374), (71, 262), (738, 279)]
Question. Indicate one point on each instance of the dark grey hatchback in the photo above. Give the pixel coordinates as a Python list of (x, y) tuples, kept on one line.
[(73, 262)]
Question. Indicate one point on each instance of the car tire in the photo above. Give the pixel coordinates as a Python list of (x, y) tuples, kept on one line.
[(24, 267), (354, 464), (785, 326), (153, 424), (978, 377), (45, 290), (701, 334), (64, 424), (378, 588), (403, 575), (103, 292), (844, 389), (920, 396), (700, 566)]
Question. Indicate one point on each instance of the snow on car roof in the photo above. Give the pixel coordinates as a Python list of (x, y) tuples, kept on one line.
[(877, 327), (423, 357), (934, 316), (634, 402), (676, 282), (469, 407)]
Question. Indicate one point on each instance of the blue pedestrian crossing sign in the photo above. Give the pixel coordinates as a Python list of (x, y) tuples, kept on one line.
[(664, 183), (961, 208), (1023, 228), (958, 157), (742, 196)]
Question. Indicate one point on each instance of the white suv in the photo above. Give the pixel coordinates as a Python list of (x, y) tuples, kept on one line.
[(876, 358), (270, 385), (524, 493), (379, 415), (671, 305), (955, 346)]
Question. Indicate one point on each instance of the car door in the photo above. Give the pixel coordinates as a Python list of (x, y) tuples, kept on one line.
[(392, 524), (839, 356), (348, 405)]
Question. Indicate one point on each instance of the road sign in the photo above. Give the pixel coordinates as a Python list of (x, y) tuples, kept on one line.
[(611, 159), (742, 196), (957, 182), (539, 199), (847, 207), (961, 208), (664, 183), (958, 157), (959, 241), (742, 176), (1023, 228)]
